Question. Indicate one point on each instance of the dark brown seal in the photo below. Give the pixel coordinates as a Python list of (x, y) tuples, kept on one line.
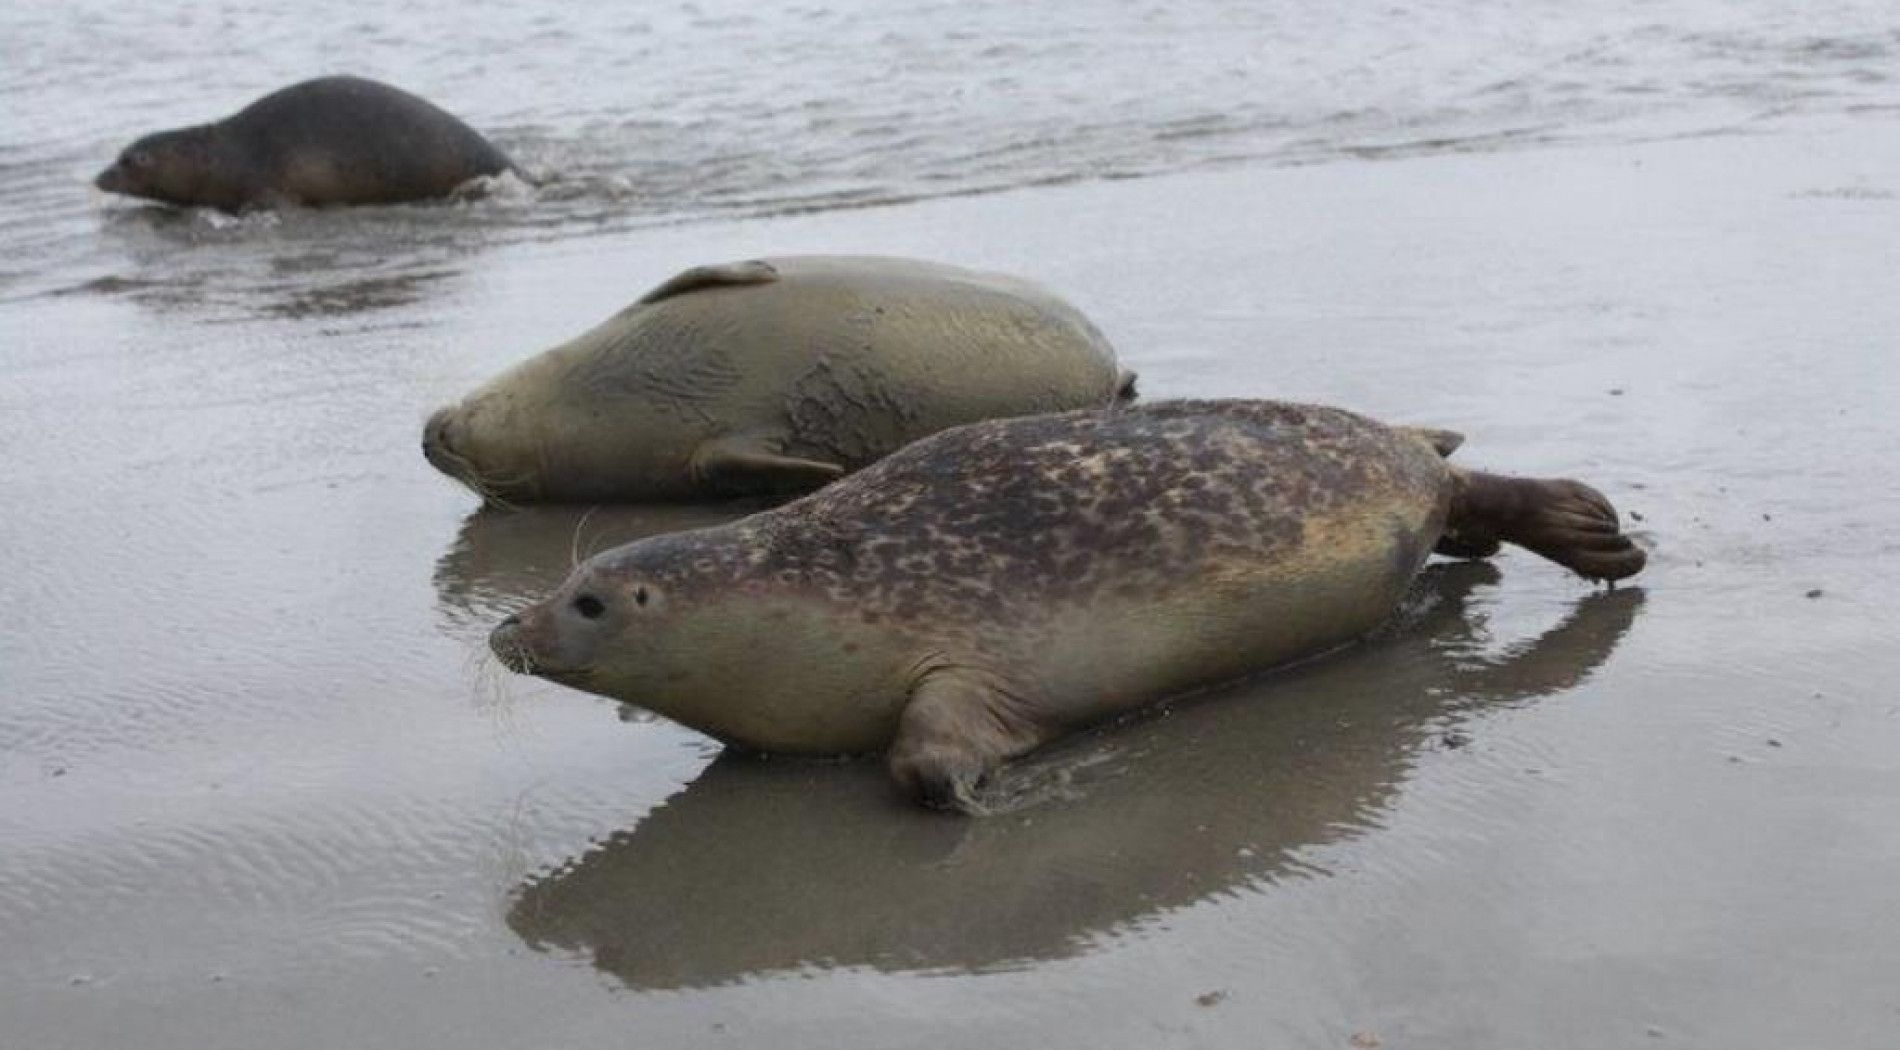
[(334, 140), (988, 589)]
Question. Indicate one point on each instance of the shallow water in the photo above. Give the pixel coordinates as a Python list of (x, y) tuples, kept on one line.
[(259, 784), (679, 112)]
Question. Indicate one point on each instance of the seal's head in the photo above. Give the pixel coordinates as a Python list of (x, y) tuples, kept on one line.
[(714, 629), (643, 624), (539, 433), (605, 625), (178, 166), (478, 444)]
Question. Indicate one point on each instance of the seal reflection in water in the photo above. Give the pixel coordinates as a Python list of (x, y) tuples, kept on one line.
[(770, 377), (760, 868), (988, 589), (334, 140), (501, 555)]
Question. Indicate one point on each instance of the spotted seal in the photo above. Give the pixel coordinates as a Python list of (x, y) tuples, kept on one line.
[(771, 376), (333, 140), (995, 586)]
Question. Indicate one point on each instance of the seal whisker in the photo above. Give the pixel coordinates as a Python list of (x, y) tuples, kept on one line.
[(573, 546), (489, 487), (492, 688)]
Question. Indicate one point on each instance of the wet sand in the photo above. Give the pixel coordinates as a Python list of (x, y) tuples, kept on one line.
[(260, 787)]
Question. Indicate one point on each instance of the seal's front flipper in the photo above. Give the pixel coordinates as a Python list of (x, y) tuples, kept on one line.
[(743, 465), (1566, 521), (956, 729), (753, 271)]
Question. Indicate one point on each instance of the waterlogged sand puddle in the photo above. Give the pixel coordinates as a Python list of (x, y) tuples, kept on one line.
[(260, 786)]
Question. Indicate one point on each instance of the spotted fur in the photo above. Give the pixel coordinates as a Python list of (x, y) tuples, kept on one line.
[(994, 522), (989, 588)]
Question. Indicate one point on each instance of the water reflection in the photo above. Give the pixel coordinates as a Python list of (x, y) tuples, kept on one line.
[(763, 867), (290, 262), (357, 296), (504, 557)]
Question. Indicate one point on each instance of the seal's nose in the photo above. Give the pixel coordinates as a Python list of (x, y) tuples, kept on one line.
[(505, 642), (435, 441), (109, 180)]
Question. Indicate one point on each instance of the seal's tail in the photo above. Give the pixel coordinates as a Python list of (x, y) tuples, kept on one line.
[(1566, 521)]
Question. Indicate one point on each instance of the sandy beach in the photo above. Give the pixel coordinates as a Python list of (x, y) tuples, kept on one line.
[(260, 785)]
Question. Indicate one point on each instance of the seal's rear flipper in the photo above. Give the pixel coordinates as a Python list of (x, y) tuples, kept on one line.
[(1566, 521), (1453, 545), (1444, 442), (754, 271), (744, 466)]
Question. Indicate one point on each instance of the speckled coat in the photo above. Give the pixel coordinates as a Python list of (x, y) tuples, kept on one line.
[(1012, 579)]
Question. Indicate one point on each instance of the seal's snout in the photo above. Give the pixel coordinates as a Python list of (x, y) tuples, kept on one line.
[(110, 180), (505, 642), (435, 438), (442, 438)]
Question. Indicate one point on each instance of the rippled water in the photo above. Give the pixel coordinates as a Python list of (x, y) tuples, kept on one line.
[(259, 785), (637, 115)]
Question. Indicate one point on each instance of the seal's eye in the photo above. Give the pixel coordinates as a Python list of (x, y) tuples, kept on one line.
[(140, 158), (640, 596), (589, 606)]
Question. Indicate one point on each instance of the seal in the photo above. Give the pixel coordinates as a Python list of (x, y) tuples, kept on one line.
[(993, 587), (333, 140), (771, 377), (1326, 747)]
